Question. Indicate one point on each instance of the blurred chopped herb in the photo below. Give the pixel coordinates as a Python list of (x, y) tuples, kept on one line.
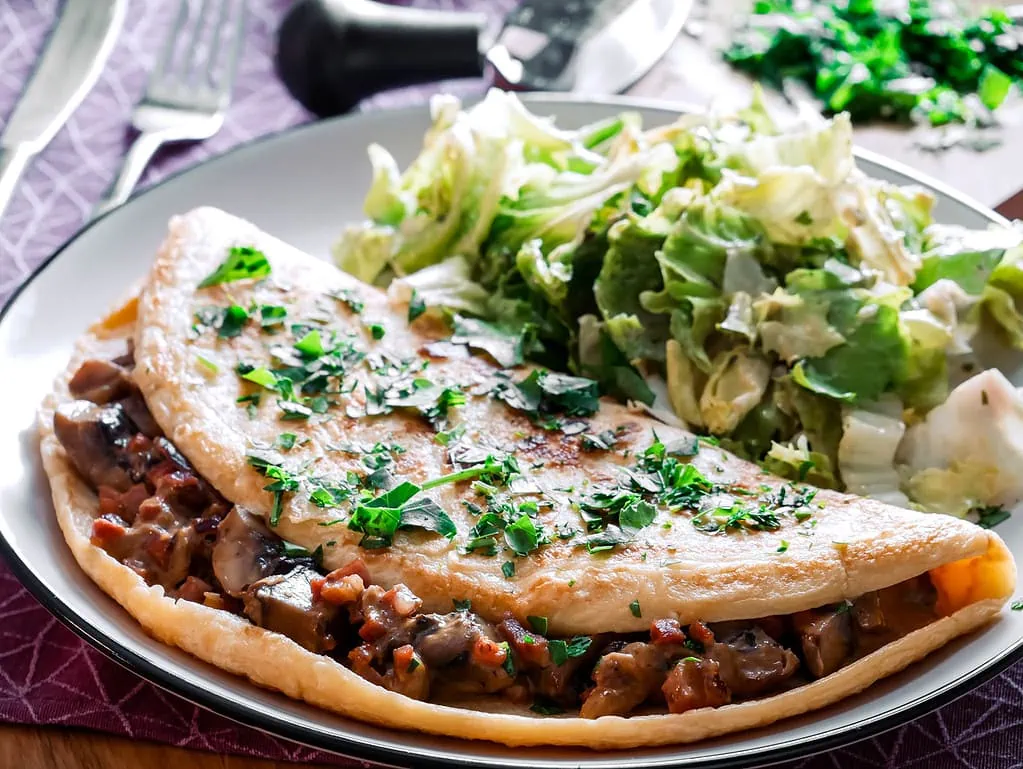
[(918, 60)]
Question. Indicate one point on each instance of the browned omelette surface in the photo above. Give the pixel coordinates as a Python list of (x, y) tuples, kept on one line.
[(838, 546)]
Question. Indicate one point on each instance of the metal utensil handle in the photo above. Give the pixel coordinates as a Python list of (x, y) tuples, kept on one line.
[(12, 164), (333, 53), (135, 162)]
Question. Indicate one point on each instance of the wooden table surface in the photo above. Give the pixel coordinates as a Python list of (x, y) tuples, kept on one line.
[(687, 74), (24, 747)]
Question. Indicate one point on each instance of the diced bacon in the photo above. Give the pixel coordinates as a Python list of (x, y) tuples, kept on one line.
[(339, 591), (105, 531), (488, 653), (700, 633), (403, 601), (159, 546), (404, 655), (666, 631), (529, 647)]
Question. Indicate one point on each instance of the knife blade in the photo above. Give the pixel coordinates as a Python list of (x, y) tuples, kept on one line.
[(73, 58), (589, 47)]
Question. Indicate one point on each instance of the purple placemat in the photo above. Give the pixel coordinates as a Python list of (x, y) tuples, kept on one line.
[(48, 675)]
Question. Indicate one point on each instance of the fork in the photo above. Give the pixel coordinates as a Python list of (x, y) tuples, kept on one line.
[(188, 91)]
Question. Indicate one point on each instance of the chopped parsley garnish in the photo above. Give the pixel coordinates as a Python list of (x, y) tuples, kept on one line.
[(461, 604), (379, 518), (285, 441), (735, 517), (348, 297), (262, 376), (242, 263), (539, 624), (521, 535), (508, 569), (310, 345), (293, 410), (634, 608), (604, 441), (376, 330), (545, 707), (416, 306), (292, 550), (544, 392), (234, 320), (562, 651), (412, 665), (782, 546), (445, 437), (271, 316), (509, 659), (209, 365), (483, 536), (282, 482), (1017, 606), (990, 516), (507, 347)]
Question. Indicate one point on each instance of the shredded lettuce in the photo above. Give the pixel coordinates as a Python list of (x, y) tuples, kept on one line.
[(740, 270), (866, 453)]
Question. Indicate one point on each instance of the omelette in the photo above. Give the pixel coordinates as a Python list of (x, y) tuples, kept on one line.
[(305, 481)]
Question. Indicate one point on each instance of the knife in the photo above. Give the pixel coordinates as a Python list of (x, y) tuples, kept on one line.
[(78, 48), (331, 54)]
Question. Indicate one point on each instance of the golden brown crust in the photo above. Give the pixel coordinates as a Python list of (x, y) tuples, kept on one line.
[(274, 661)]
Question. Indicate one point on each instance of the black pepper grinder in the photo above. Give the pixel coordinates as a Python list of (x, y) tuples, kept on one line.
[(331, 54)]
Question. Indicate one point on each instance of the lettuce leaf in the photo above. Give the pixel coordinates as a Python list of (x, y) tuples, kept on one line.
[(966, 257), (866, 453), (446, 285), (737, 382), (872, 360)]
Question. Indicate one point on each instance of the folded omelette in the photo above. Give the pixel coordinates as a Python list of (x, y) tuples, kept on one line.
[(298, 479)]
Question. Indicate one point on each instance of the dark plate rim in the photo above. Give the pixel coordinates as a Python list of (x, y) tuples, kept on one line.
[(351, 746)]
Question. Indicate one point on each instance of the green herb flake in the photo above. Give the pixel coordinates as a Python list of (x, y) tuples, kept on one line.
[(376, 330), (1017, 606), (782, 546), (521, 535), (292, 550), (350, 298), (509, 659), (634, 608), (242, 263), (209, 365), (546, 707), (234, 320), (539, 624), (271, 316), (562, 651), (262, 376), (508, 569), (310, 345), (416, 306), (991, 516), (285, 441), (461, 604)]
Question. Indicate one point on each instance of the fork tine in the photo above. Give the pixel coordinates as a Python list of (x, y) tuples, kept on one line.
[(234, 53), (194, 61), (218, 36), (166, 55)]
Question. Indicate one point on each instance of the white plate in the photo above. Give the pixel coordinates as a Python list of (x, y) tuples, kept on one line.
[(303, 186)]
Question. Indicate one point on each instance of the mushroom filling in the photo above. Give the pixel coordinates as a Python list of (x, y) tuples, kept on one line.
[(159, 518)]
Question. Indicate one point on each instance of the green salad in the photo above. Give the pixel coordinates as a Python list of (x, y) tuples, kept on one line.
[(742, 275)]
